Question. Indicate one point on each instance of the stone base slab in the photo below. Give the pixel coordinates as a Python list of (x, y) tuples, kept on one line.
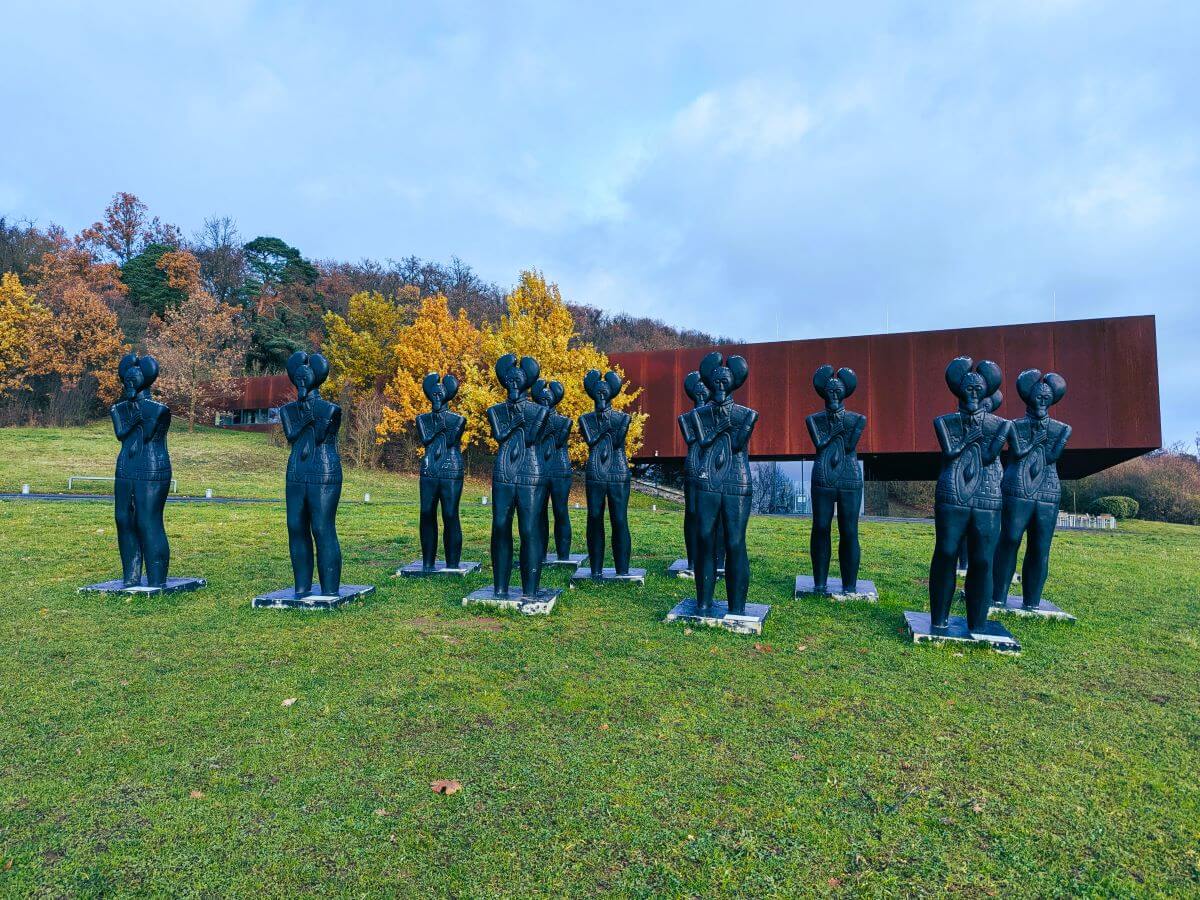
[(417, 569), (1045, 610), (993, 635), (540, 605), (750, 622), (962, 573), (680, 569), (573, 559), (285, 598), (608, 574), (117, 586), (865, 590)]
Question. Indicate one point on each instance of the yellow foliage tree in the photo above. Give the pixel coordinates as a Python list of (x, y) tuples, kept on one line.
[(538, 324), (23, 323), (361, 347), (435, 342)]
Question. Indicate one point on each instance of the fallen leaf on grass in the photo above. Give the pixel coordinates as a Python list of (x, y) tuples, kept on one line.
[(687, 631), (763, 648), (288, 702), (834, 882), (797, 756), (196, 795), (445, 786), (604, 726), (381, 812), (7, 864), (712, 650), (800, 648)]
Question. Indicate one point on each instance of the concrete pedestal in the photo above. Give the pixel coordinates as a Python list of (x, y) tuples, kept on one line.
[(750, 622), (285, 598), (865, 590), (1044, 610), (606, 575), (417, 569), (573, 560), (680, 569), (117, 586), (541, 605), (993, 635)]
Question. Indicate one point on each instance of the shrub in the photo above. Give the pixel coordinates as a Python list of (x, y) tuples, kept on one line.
[(1119, 507)]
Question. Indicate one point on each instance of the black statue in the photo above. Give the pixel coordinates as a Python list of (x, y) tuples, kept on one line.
[(967, 497), (697, 391), (314, 476), (556, 469), (143, 477), (1030, 488), (990, 405), (836, 478), (723, 486), (518, 484), (440, 431), (605, 430)]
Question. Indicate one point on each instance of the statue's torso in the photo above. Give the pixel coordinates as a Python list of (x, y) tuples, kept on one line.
[(144, 455), (606, 457), (556, 459), (724, 465), (691, 462), (836, 465), (443, 455), (517, 462), (310, 462), (965, 480), (1033, 477)]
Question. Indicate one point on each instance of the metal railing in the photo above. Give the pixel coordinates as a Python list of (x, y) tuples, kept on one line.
[(74, 478)]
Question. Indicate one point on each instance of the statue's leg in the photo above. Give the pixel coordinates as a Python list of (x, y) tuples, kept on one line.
[(300, 536), (736, 515), (531, 500), (451, 494), (323, 502), (820, 540), (618, 514), (708, 515), (719, 544), (689, 522), (950, 525), (428, 528), (1037, 552), (596, 492), (127, 536), (504, 499), (151, 497), (560, 490), (1014, 519), (982, 534), (849, 550), (544, 521)]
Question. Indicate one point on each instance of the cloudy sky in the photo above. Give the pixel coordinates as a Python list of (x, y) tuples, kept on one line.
[(758, 170)]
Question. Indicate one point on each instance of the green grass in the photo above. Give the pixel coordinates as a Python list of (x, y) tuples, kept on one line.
[(599, 749)]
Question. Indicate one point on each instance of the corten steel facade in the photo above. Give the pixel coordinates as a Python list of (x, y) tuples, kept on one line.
[(1111, 367)]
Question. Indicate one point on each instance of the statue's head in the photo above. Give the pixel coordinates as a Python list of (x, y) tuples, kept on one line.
[(547, 393), (439, 391), (137, 373), (602, 389), (307, 372), (1040, 392), (833, 387), (517, 375), (722, 376), (973, 384), (696, 389)]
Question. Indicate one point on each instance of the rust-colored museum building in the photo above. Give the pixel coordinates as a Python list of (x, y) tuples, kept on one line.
[(1111, 368)]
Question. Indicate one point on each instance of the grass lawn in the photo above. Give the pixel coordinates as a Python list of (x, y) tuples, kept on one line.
[(145, 747)]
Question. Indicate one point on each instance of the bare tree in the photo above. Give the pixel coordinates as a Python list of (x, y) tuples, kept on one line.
[(218, 246)]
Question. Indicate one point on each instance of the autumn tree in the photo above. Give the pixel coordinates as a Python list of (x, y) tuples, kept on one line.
[(200, 345), (361, 350), (126, 230), (436, 341), (218, 246), (23, 324), (539, 324), (147, 281)]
